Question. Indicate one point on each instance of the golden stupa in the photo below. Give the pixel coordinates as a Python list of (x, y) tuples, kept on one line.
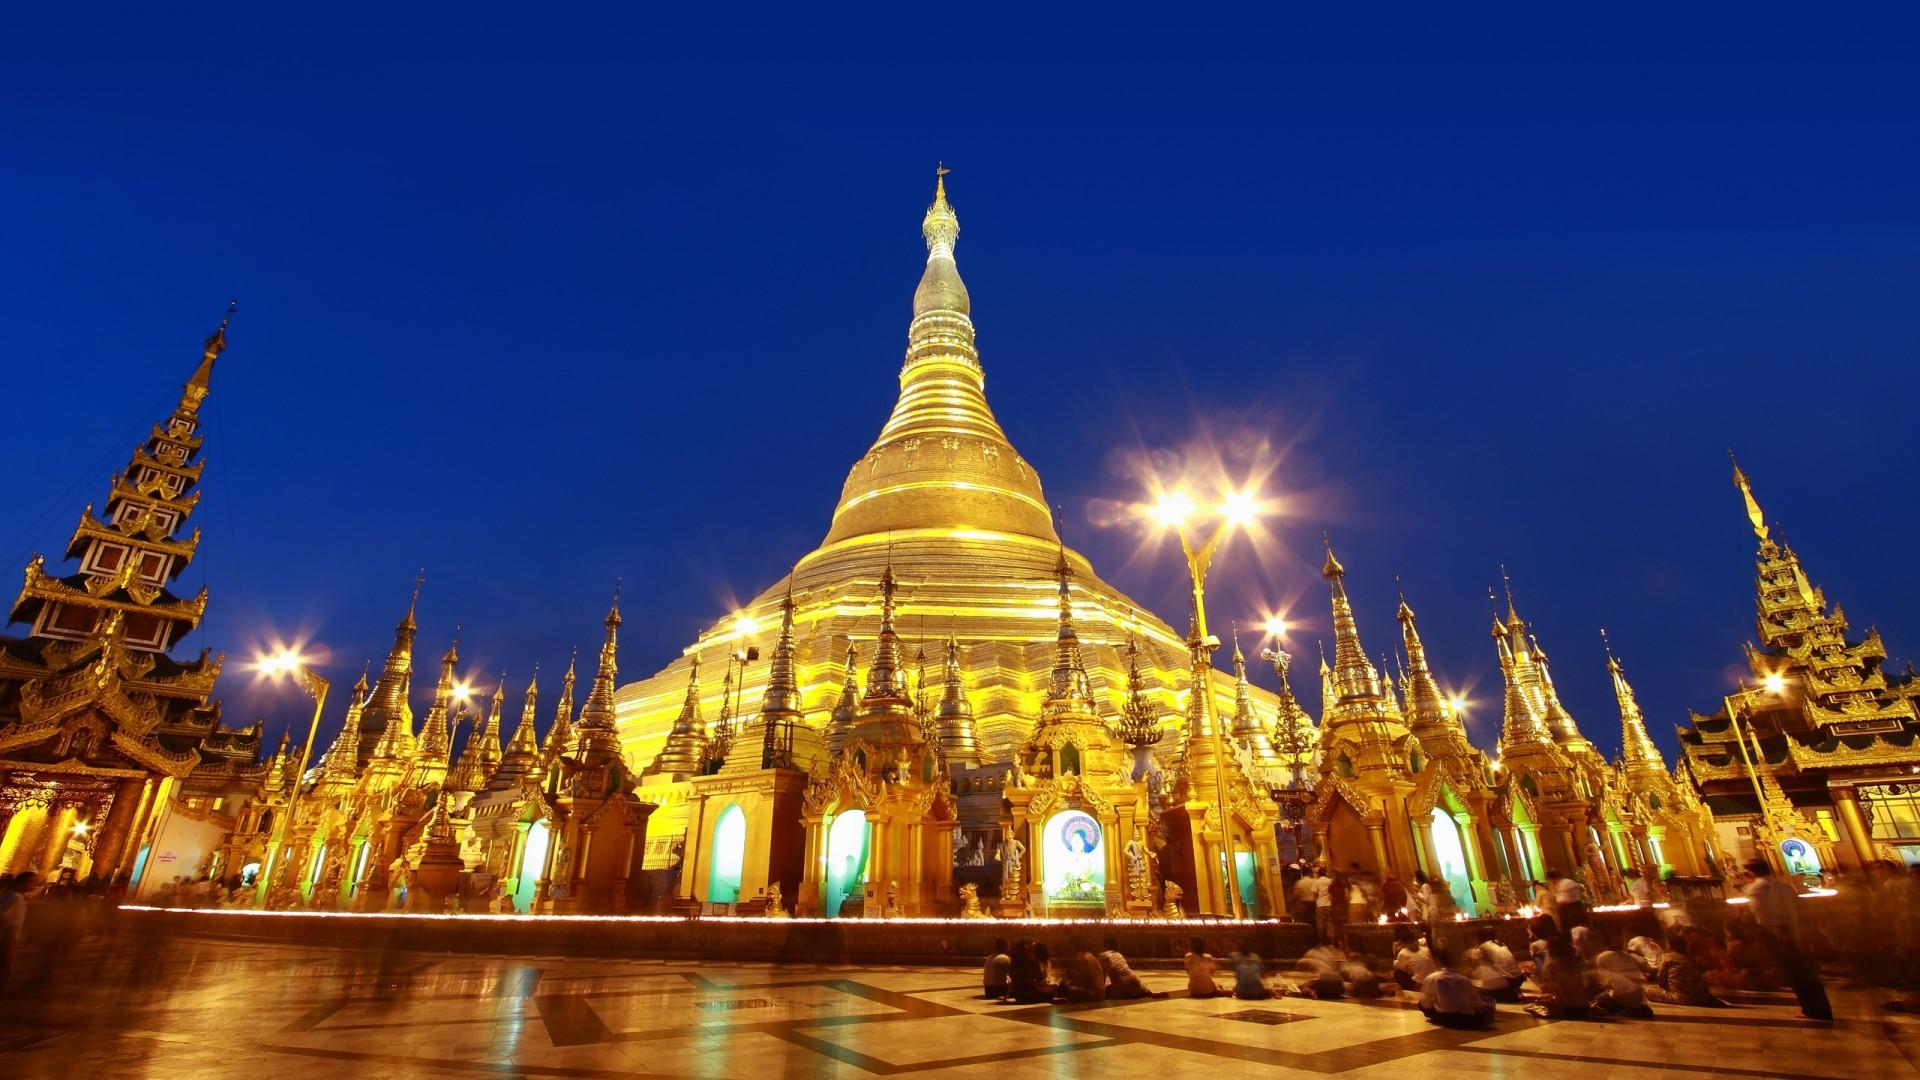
[(943, 498)]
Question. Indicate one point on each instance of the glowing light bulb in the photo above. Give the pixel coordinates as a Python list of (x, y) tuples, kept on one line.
[(1457, 703), (1240, 508), (1173, 509), (1277, 626), (745, 625), (1774, 683)]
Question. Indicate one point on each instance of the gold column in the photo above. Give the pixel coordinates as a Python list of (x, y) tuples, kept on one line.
[(117, 827), (1847, 801), (53, 840)]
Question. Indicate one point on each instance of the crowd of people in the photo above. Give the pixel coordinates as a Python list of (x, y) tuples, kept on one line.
[(1569, 967)]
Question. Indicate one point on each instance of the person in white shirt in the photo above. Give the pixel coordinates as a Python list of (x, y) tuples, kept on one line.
[(1412, 964), (1621, 983), (1569, 902), (1495, 969), (1450, 998), (1324, 918)]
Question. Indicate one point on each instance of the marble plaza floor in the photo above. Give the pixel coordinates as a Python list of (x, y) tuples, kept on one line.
[(201, 1007)]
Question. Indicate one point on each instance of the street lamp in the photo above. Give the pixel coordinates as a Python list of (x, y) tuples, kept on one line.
[(1236, 509), (275, 665), (1773, 684)]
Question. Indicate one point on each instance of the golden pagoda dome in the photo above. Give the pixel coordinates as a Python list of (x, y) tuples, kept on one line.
[(944, 499)]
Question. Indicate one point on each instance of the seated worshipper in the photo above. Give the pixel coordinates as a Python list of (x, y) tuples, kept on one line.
[(1122, 983), (1540, 930), (1563, 983), (1646, 952), (1320, 974), (1082, 979), (1621, 985), (1200, 968), (1412, 964), (993, 977), (1677, 980), (1027, 975), (1249, 970), (1450, 999), (1501, 976)]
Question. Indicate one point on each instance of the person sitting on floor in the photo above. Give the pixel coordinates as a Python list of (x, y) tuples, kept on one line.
[(1621, 985), (993, 977), (1320, 974), (1646, 952), (1750, 963), (1677, 980), (1082, 979), (1563, 982), (1249, 970), (1494, 970), (1200, 968), (1413, 963), (1027, 974), (1122, 983), (1450, 999)]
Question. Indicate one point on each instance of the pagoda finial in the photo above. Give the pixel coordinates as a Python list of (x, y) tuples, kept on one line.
[(941, 226), (1754, 514), (1352, 673), (884, 672), (1069, 688), (1139, 724), (198, 384), (1637, 750)]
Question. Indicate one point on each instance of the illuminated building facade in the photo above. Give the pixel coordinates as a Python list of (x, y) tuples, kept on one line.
[(1815, 765), (104, 737)]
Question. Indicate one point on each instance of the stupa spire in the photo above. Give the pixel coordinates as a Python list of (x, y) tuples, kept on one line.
[(1427, 711), (959, 738), (436, 732), (1139, 722), (942, 460), (1248, 729), (1637, 749), (846, 712), (883, 674), (560, 735), (595, 734), (343, 758), (686, 745), (523, 751), (482, 753), (1754, 513), (1069, 689), (780, 708), (1353, 675)]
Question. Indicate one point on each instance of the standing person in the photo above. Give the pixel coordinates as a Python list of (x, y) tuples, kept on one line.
[(1323, 912), (993, 977), (1393, 898), (1356, 895), (1569, 901), (1305, 888), (1200, 967), (13, 919), (1774, 905)]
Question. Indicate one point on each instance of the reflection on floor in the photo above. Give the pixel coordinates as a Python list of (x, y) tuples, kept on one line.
[(209, 1008)]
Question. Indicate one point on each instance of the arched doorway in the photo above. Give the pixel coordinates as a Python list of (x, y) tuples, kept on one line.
[(729, 856), (1076, 865), (846, 860), (1450, 858), (533, 862)]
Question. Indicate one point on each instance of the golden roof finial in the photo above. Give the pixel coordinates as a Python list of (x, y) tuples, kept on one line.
[(1746, 492), (195, 392)]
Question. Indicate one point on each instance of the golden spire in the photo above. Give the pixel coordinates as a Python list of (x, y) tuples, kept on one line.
[(1248, 730), (195, 391), (1139, 723), (942, 433), (1069, 690), (1427, 709), (884, 672), (482, 751), (1637, 749), (343, 757), (595, 734), (959, 738), (840, 724), (780, 708), (1746, 493), (560, 735), (389, 708), (1353, 675), (1521, 724), (686, 745), (436, 735), (524, 740)]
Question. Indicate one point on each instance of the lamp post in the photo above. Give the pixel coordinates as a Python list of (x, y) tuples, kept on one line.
[(1173, 512), (1774, 685), (288, 662)]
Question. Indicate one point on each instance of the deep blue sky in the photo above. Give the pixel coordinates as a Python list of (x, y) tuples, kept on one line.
[(542, 305)]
